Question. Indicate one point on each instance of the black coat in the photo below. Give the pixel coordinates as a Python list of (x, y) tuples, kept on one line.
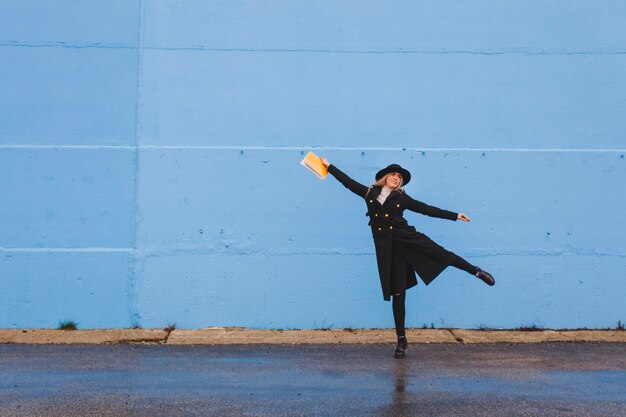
[(401, 251)]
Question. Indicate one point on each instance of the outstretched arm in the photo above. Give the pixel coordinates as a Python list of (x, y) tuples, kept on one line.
[(423, 208), (349, 183)]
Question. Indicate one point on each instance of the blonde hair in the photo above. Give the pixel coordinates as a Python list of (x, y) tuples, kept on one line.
[(383, 181)]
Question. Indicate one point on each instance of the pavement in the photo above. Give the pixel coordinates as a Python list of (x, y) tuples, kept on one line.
[(435, 379), (243, 336)]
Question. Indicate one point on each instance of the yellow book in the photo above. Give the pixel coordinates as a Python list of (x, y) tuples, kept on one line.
[(314, 164)]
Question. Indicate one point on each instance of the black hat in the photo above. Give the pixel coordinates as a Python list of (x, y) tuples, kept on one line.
[(406, 175)]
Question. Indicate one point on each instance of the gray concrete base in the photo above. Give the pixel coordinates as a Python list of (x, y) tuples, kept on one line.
[(95, 336), (315, 337), (225, 336)]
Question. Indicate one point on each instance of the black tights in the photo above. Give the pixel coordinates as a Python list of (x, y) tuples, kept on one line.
[(458, 262), (399, 298), (398, 312)]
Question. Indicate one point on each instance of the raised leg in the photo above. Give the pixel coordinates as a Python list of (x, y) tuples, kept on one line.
[(458, 262), (461, 263)]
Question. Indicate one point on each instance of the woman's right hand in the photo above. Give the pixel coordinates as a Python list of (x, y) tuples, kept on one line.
[(325, 162)]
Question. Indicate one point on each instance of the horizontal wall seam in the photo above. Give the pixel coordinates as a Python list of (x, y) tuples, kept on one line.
[(20, 44), (69, 250), (467, 253), (511, 51), (306, 252), (304, 147)]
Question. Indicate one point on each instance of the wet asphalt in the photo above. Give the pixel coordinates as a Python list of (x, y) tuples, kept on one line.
[(548, 379)]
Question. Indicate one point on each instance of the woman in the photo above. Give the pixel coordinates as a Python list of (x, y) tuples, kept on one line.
[(401, 251)]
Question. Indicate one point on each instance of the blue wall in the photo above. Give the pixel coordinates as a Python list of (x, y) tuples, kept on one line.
[(149, 160)]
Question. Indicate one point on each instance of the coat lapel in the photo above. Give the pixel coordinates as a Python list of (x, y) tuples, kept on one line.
[(392, 196), (374, 193)]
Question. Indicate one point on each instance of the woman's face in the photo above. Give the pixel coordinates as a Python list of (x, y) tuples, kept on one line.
[(393, 180)]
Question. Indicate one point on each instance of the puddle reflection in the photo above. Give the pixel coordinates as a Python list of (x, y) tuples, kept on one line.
[(398, 402)]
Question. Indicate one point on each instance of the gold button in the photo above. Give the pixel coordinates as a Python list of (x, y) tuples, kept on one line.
[(371, 201), (390, 227), (397, 205), (380, 228), (386, 215), (376, 215)]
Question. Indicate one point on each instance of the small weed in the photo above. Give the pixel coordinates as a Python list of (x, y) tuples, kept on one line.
[(67, 325), (483, 327), (170, 327), (322, 327), (620, 326), (531, 328), (425, 326)]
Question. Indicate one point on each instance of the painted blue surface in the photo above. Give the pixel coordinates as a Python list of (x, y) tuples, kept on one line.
[(518, 201), (66, 198), (71, 23), (383, 100), (149, 160), (40, 289), (354, 25), (306, 250), (67, 96), (318, 291)]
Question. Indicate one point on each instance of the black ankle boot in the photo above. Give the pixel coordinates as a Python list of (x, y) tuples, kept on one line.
[(485, 277), (401, 347)]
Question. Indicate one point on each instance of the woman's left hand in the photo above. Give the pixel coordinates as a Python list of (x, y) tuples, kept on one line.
[(463, 217)]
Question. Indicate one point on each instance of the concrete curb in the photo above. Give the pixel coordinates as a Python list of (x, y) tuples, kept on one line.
[(95, 336), (513, 336), (226, 336), (314, 337)]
